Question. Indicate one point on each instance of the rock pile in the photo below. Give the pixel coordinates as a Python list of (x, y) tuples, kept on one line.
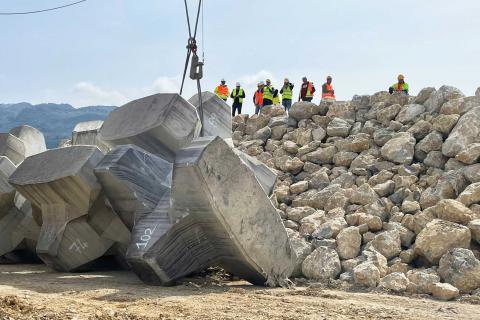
[(382, 190)]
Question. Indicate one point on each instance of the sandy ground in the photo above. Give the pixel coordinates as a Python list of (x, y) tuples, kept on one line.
[(35, 292)]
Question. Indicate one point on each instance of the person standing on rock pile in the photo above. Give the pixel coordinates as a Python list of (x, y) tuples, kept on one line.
[(287, 94), (222, 90), (327, 89), (258, 98), (267, 91), (276, 97), (238, 94), (401, 87), (307, 90)]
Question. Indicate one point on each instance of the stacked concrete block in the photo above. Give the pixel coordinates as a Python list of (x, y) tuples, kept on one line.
[(86, 133), (77, 226)]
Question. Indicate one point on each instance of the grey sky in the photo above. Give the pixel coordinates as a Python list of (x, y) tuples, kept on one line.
[(112, 51)]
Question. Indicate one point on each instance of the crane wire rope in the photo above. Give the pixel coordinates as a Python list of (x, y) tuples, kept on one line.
[(42, 10)]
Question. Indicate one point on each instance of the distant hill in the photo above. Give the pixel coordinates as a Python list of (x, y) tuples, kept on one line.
[(56, 121)]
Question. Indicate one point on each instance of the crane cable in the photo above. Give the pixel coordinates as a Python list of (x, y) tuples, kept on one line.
[(40, 11), (196, 71)]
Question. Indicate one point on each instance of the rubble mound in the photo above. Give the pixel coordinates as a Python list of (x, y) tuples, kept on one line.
[(382, 190)]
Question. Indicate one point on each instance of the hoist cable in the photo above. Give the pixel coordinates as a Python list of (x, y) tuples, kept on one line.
[(40, 11)]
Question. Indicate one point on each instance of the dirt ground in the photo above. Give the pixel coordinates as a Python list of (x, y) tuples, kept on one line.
[(35, 292)]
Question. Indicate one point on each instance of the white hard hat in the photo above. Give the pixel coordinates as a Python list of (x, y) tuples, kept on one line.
[(238, 84), (223, 80)]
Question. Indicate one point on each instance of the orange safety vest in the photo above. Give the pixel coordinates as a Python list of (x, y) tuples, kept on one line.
[(328, 95), (222, 92), (258, 98)]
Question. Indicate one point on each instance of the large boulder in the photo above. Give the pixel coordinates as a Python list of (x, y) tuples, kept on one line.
[(410, 112), (388, 243), (460, 268), (302, 250), (322, 264), (465, 132), (438, 237), (439, 97), (400, 148), (303, 110), (338, 128), (349, 241), (396, 282), (366, 274), (452, 210), (161, 124)]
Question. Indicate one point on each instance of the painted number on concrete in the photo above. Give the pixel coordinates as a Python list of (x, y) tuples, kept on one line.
[(145, 238), (78, 246)]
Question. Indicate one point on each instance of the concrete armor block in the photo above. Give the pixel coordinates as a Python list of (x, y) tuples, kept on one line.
[(86, 133), (161, 124), (18, 230), (77, 225), (220, 216), (217, 115), (32, 138), (12, 148)]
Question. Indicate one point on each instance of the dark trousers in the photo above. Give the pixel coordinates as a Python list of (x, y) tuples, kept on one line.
[(307, 99), (267, 102), (236, 107)]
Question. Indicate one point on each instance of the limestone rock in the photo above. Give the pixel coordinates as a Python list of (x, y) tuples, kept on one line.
[(423, 279), (388, 243), (399, 149), (465, 132), (470, 154), (322, 264), (445, 123), (409, 112), (303, 110), (161, 124), (396, 282), (438, 237), (366, 274), (301, 248), (474, 227), (444, 291), (439, 97), (460, 268), (454, 211), (424, 95), (349, 241), (338, 128)]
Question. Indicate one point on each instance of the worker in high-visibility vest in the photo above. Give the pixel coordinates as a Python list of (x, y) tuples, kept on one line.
[(276, 97), (267, 91), (287, 94), (238, 94), (327, 89), (258, 98), (401, 87), (307, 90), (222, 91)]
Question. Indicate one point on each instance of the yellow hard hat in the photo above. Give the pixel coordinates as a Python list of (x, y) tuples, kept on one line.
[(401, 77)]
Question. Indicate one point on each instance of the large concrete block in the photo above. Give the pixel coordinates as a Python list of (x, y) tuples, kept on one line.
[(161, 124), (134, 181), (32, 138), (77, 226), (265, 176), (220, 216), (18, 230), (12, 148), (138, 186), (86, 133), (217, 115)]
